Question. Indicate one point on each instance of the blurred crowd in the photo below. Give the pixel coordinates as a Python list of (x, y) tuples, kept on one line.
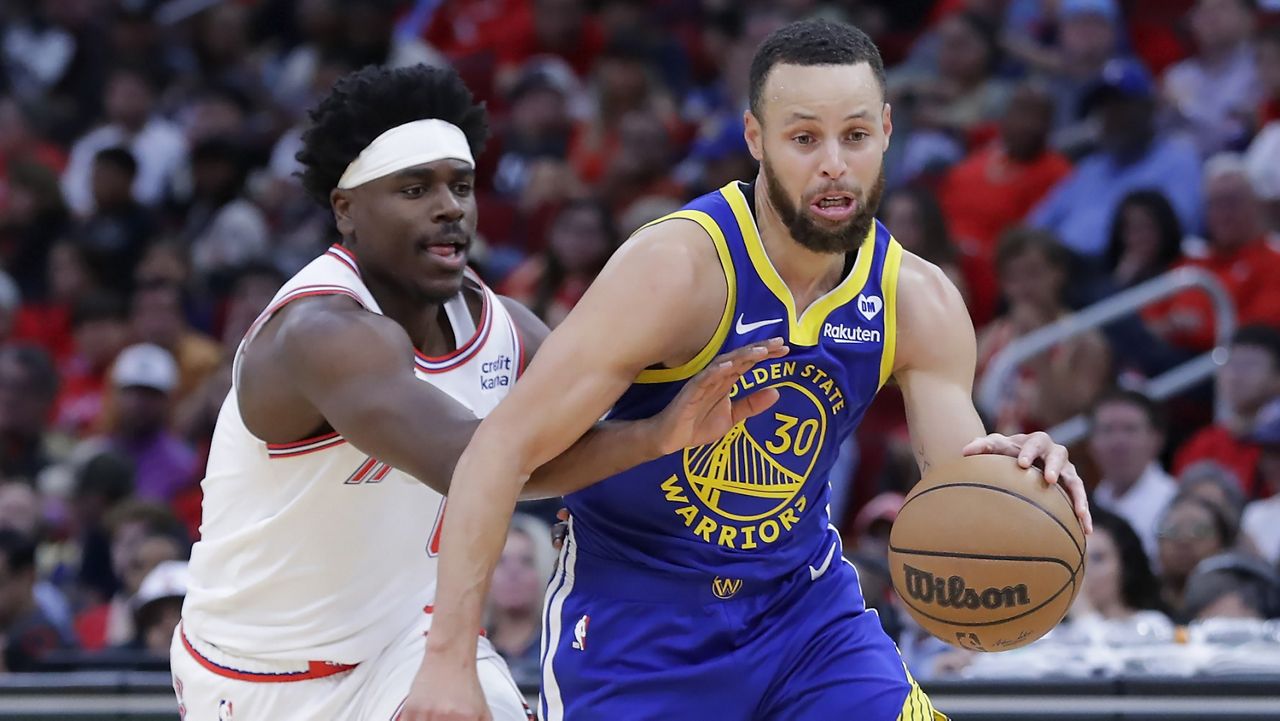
[(1047, 154)]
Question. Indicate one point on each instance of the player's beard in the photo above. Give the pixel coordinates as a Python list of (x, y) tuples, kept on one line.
[(844, 238)]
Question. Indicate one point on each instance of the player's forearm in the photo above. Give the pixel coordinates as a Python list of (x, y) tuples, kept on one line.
[(486, 483), (609, 448)]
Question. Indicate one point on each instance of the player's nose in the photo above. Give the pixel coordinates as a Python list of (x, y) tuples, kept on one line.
[(832, 163), (447, 208)]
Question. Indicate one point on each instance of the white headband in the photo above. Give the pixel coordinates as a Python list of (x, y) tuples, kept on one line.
[(404, 146)]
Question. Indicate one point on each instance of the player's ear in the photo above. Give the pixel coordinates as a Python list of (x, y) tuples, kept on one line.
[(753, 134), (886, 120), (340, 201)]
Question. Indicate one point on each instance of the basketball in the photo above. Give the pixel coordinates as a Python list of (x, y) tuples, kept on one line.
[(985, 554)]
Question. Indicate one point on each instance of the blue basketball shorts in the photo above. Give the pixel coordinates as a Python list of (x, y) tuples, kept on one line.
[(627, 643)]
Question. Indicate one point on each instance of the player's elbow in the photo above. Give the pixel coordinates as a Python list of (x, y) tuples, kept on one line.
[(503, 449)]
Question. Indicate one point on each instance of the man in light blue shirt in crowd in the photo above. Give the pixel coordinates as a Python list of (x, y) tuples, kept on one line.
[(1132, 155)]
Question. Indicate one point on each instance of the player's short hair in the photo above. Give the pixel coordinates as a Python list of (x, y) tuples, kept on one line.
[(1149, 407), (812, 42), (368, 102)]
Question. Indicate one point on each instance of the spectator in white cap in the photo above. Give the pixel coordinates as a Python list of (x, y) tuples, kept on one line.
[(143, 378), (157, 606)]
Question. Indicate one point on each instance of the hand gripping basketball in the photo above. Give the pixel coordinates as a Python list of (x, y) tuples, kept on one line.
[(985, 554)]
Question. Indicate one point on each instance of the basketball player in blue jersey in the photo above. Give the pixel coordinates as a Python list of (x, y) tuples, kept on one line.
[(708, 584)]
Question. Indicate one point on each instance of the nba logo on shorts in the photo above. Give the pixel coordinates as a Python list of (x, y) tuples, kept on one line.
[(580, 633), (224, 710)]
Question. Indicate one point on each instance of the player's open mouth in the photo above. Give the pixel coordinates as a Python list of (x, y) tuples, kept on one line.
[(834, 206), (449, 256)]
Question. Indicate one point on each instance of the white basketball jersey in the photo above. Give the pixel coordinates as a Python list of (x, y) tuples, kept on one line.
[(314, 550)]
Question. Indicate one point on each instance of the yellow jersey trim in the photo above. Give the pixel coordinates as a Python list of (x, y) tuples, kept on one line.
[(889, 289), (807, 328), (704, 356)]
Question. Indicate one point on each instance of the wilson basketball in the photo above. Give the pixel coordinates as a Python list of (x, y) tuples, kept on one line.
[(985, 554)]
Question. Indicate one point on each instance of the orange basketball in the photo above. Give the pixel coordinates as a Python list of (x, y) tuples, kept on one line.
[(985, 554)]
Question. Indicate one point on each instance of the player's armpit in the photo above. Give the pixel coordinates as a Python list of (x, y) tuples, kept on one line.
[(936, 357), (371, 396)]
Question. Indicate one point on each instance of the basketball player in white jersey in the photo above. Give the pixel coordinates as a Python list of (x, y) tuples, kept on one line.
[(353, 395)]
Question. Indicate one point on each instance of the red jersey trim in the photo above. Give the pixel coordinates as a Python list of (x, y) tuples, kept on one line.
[(305, 446), (315, 669), (439, 364), (347, 258)]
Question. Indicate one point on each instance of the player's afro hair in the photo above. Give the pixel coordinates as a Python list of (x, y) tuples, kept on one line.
[(370, 101)]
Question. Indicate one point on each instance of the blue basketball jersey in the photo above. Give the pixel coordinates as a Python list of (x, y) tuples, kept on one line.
[(753, 505)]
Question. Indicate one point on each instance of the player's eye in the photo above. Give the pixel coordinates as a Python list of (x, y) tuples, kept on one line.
[(858, 136), (413, 191), (463, 189), (804, 139)]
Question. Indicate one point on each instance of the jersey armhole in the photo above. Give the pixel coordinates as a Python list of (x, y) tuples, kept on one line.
[(263, 318), (698, 362), (889, 288)]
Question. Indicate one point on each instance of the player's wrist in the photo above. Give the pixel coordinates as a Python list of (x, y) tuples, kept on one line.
[(451, 652), (652, 438)]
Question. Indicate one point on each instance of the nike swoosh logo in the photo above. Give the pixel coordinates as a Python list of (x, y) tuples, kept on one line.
[(816, 573), (745, 328)]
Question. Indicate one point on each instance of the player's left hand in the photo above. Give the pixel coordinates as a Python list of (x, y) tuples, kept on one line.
[(703, 412), (1031, 447)]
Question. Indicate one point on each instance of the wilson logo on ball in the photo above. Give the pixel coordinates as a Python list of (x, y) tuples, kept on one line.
[(953, 592)]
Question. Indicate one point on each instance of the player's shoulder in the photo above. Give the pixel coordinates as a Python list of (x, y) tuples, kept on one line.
[(673, 241), (925, 290), (932, 319), (331, 325)]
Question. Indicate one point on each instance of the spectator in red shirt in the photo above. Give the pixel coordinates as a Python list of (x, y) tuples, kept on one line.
[(1238, 254), (28, 385), (913, 216), (99, 329), (1248, 380), (550, 27), (996, 186), (47, 322)]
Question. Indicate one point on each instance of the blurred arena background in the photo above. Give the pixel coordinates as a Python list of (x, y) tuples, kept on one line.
[(1101, 178)]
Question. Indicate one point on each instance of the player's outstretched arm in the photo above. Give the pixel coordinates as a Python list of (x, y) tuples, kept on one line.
[(373, 399), (657, 302), (355, 370), (935, 364)]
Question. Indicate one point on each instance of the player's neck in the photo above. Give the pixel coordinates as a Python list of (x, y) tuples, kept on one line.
[(422, 319), (807, 273)]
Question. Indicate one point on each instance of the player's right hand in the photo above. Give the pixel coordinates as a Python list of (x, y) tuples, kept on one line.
[(444, 691), (703, 412)]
